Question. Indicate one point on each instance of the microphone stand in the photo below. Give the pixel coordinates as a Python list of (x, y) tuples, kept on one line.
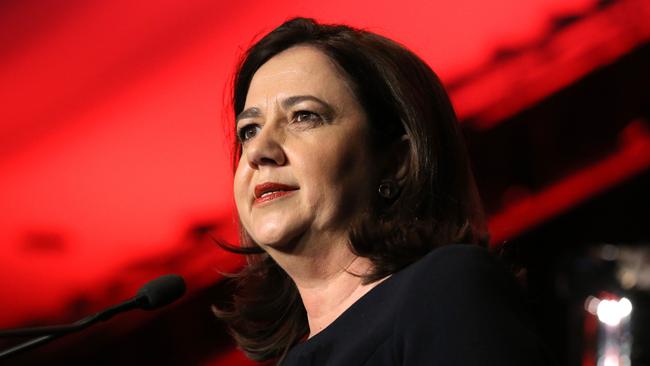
[(48, 333), (154, 294), (27, 345)]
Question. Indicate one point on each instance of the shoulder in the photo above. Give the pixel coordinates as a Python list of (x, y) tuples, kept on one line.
[(453, 265), (456, 273), (461, 306), (453, 255)]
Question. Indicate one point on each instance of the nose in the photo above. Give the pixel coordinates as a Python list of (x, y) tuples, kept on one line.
[(265, 149)]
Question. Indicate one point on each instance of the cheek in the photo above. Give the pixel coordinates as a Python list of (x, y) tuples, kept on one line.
[(338, 176), (355, 174), (331, 162), (240, 188), (322, 168)]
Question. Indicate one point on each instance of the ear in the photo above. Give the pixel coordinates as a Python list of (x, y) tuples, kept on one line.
[(399, 160), (404, 156)]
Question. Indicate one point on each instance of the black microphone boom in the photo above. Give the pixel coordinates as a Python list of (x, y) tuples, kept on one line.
[(161, 291), (154, 294)]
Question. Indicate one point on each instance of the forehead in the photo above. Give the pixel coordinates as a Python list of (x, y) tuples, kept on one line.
[(296, 71)]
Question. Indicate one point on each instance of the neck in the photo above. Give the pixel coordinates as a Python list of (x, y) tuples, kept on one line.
[(328, 278)]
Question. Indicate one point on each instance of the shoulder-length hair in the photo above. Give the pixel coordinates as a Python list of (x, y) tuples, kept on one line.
[(437, 202)]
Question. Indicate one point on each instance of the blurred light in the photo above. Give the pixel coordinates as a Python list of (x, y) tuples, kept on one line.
[(626, 306), (611, 360), (611, 312), (609, 252), (627, 278), (591, 304)]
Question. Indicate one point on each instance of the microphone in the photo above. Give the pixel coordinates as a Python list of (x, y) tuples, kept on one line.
[(160, 292), (154, 294)]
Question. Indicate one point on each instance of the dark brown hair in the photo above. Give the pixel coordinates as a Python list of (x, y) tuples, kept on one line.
[(437, 203)]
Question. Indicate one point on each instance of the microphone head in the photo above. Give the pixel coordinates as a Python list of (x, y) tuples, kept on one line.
[(161, 291)]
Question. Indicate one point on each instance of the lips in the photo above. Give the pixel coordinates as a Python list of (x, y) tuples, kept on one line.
[(269, 191)]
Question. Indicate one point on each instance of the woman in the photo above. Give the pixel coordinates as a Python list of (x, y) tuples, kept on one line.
[(351, 184)]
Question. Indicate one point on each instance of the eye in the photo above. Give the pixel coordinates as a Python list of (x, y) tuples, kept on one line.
[(306, 116), (247, 132)]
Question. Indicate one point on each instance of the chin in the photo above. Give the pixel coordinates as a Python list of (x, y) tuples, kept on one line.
[(275, 236)]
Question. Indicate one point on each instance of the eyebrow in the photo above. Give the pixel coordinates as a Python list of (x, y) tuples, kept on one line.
[(289, 102), (248, 113)]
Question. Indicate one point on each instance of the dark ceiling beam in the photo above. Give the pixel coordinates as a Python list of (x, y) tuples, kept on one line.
[(524, 75), (631, 159)]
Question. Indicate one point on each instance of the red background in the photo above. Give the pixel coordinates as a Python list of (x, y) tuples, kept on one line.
[(114, 142)]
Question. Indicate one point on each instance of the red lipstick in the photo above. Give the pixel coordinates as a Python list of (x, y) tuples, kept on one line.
[(269, 191)]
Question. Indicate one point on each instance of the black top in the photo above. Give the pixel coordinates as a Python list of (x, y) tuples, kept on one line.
[(456, 306)]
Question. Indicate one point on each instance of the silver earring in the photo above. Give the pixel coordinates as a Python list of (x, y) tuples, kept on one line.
[(387, 189)]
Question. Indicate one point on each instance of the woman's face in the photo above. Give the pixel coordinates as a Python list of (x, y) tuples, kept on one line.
[(306, 168)]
